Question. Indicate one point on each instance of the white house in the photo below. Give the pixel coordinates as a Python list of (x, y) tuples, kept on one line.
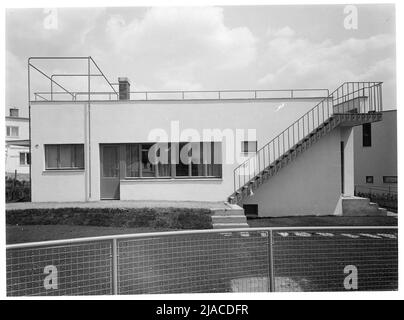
[(17, 145), (275, 152)]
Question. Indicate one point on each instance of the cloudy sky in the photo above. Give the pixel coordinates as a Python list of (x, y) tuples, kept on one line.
[(210, 48)]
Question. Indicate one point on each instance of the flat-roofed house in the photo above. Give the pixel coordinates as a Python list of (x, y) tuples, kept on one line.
[(275, 152)]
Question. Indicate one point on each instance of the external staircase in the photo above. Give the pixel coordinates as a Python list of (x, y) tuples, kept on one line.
[(352, 104)]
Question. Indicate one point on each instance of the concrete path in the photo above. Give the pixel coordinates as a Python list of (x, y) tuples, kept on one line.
[(117, 204)]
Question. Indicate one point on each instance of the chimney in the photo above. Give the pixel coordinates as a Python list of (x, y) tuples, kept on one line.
[(124, 88)]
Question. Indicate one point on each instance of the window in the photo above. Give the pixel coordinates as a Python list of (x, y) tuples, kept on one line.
[(389, 179), (369, 179), (13, 112), (147, 167), (199, 159), (248, 147), (12, 131), (367, 134), (25, 158), (64, 156), (132, 160), (142, 160), (175, 160)]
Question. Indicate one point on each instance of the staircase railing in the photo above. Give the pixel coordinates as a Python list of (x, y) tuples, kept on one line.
[(350, 97)]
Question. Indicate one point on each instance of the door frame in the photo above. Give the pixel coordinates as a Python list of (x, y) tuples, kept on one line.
[(120, 160)]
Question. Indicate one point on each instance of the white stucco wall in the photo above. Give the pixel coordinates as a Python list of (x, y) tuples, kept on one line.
[(131, 122), (56, 124), (309, 185), (381, 158)]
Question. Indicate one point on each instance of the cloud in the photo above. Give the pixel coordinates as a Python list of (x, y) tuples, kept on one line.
[(295, 61), (178, 44), (194, 48), (283, 32)]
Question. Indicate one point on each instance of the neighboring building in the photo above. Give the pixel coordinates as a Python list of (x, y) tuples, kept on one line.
[(376, 155), (17, 145), (92, 150)]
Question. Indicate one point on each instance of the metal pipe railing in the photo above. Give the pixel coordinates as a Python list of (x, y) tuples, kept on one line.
[(200, 94), (203, 260)]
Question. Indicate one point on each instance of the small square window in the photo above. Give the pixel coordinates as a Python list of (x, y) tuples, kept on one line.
[(369, 179), (13, 112), (389, 179), (248, 147)]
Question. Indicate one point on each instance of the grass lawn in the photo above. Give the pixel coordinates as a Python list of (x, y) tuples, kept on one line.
[(314, 221), (33, 233)]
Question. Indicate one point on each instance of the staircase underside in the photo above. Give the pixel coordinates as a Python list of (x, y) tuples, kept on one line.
[(337, 119)]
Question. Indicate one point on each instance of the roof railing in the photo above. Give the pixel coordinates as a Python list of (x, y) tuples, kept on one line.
[(181, 95)]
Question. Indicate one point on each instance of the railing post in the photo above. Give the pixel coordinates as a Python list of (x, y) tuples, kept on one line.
[(380, 97), (271, 273), (114, 267), (234, 179)]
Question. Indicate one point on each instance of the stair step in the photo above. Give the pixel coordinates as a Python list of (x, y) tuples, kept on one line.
[(229, 219), (229, 225)]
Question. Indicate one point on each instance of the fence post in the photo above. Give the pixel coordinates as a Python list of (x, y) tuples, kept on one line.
[(271, 279), (13, 193), (114, 267)]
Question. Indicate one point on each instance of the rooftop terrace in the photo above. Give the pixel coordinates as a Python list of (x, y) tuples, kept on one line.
[(90, 88)]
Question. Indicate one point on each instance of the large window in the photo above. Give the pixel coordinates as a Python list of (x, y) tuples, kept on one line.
[(367, 134), (25, 158), (174, 160), (64, 156), (12, 131)]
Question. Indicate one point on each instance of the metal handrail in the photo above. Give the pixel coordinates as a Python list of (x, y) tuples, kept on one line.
[(186, 232), (338, 102)]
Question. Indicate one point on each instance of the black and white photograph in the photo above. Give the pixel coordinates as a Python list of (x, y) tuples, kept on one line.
[(234, 149)]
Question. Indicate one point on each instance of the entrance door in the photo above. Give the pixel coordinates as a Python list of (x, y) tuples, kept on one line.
[(109, 155)]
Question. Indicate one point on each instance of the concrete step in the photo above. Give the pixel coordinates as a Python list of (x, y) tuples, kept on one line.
[(392, 214), (357, 206), (229, 219), (225, 213), (229, 225)]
